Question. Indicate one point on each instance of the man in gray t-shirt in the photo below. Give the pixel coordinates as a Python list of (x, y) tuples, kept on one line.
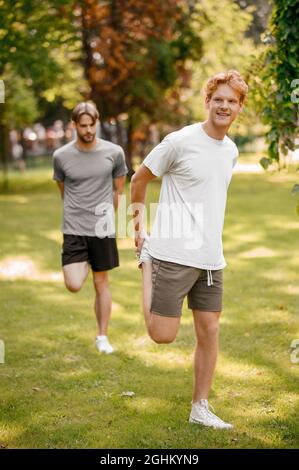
[(90, 173)]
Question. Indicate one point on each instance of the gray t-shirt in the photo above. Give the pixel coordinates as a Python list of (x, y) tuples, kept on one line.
[(88, 186)]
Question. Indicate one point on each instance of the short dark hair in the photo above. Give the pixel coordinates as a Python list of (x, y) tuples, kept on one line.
[(85, 108)]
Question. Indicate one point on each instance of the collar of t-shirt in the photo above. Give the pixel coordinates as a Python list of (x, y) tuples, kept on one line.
[(94, 149), (210, 139)]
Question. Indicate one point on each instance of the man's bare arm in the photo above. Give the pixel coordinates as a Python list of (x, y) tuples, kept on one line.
[(118, 189), (138, 194), (61, 188)]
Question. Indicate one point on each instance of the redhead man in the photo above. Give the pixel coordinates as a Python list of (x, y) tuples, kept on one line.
[(183, 255), (90, 173)]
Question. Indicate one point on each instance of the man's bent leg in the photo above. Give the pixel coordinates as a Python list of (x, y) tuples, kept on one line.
[(75, 274), (147, 288), (161, 329), (206, 326)]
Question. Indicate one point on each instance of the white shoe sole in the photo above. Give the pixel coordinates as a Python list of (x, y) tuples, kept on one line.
[(195, 421), (104, 351)]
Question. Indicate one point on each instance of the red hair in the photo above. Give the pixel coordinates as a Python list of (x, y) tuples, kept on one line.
[(231, 78)]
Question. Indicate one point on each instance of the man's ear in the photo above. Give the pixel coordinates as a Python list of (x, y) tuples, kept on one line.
[(207, 102)]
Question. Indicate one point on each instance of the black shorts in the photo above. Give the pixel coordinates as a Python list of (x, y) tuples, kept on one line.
[(100, 253)]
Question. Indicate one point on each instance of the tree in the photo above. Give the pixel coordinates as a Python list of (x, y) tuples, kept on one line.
[(223, 26), (275, 80), (135, 56), (261, 12), (29, 34)]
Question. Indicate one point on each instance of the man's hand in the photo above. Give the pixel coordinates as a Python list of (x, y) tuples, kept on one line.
[(139, 240), (139, 183)]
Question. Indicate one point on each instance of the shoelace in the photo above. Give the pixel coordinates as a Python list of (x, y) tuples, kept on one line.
[(210, 415), (214, 417), (211, 406)]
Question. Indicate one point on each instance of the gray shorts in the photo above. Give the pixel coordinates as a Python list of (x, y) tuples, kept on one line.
[(172, 282)]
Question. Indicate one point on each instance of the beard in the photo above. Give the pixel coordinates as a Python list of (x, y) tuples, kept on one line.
[(87, 138)]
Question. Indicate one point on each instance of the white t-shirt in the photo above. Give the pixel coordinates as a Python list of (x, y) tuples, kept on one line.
[(196, 171)]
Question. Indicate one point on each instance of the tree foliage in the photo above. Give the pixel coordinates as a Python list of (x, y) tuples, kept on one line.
[(29, 30), (261, 12), (274, 80), (136, 55), (21, 107), (31, 33), (223, 26)]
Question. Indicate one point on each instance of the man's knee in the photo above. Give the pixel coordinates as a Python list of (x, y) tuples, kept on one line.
[(163, 329), (75, 275), (161, 337), (208, 332), (101, 283), (73, 286)]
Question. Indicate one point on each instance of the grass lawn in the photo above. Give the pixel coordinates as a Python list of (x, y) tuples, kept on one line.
[(57, 391)]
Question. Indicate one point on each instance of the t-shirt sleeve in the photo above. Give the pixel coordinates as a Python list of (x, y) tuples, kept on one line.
[(162, 158), (58, 173), (120, 167), (235, 158)]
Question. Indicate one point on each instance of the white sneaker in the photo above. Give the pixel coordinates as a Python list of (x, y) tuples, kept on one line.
[(200, 414), (144, 257), (103, 345)]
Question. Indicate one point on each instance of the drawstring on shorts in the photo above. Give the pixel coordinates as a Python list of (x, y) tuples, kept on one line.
[(210, 278)]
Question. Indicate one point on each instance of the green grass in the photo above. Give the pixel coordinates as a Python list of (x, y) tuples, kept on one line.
[(56, 391)]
